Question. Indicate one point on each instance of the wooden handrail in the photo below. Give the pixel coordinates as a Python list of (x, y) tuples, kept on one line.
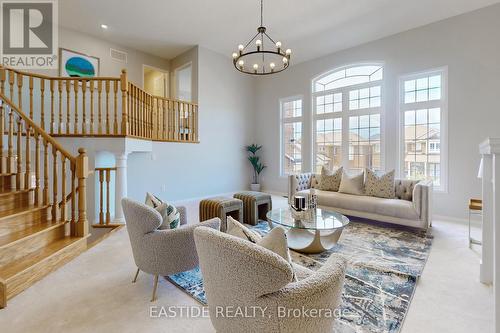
[(38, 129)]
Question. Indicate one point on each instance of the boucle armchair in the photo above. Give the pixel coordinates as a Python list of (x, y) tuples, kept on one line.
[(238, 274), (160, 252)]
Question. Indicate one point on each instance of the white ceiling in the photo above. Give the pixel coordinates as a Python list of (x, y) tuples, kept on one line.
[(311, 28)]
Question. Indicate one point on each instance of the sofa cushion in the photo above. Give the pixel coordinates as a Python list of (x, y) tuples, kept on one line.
[(352, 184), (329, 180), (379, 186), (387, 207)]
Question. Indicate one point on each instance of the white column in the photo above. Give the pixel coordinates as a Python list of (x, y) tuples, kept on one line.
[(490, 257), (486, 266), (120, 185)]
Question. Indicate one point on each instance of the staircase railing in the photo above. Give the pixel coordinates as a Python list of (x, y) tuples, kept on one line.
[(104, 179), (42, 166), (99, 107)]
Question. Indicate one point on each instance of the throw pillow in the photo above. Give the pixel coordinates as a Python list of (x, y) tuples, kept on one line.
[(352, 184), (330, 180), (171, 217), (380, 186), (237, 229), (274, 241), (152, 200)]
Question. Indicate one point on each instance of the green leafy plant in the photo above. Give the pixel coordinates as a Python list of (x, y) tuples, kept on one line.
[(255, 161)]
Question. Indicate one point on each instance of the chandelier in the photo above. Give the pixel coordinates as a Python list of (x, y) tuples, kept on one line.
[(266, 58)]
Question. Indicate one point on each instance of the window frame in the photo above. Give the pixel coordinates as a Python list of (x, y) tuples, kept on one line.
[(287, 120), (346, 113), (430, 104)]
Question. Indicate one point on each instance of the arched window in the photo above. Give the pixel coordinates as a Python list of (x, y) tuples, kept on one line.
[(347, 109)]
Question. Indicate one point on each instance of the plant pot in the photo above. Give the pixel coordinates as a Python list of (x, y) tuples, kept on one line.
[(255, 187)]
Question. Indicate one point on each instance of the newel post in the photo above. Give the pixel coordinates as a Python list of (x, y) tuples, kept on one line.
[(82, 171), (123, 84)]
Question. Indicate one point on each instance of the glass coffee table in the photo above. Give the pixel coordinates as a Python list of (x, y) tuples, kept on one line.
[(311, 231)]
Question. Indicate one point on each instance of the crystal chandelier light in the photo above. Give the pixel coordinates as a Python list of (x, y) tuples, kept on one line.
[(266, 58)]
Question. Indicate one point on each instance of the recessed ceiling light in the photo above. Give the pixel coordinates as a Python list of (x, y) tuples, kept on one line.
[(104, 26)]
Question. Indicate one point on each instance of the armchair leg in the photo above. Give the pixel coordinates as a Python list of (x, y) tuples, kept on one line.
[(136, 275), (154, 289)]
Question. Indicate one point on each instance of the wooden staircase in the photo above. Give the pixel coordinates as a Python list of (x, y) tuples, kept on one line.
[(42, 202)]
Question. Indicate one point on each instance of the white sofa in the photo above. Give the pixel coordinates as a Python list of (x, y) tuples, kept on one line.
[(412, 206)]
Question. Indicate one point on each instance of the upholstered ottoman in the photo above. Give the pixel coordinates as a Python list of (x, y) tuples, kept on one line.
[(221, 207), (255, 206)]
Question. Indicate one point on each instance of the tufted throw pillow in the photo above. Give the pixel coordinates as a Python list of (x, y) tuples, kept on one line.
[(330, 180), (274, 241), (380, 186), (352, 184), (171, 217)]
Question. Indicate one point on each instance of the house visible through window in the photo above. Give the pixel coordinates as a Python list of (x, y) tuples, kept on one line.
[(347, 106), (423, 109), (291, 136)]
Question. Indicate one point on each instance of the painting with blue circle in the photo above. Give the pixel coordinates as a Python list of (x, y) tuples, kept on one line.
[(75, 64)]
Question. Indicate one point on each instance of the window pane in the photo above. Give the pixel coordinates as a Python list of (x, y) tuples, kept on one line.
[(364, 142), (422, 83), (409, 117), (434, 115), (410, 85), (422, 95), (434, 94), (328, 143), (435, 81), (410, 97), (292, 138)]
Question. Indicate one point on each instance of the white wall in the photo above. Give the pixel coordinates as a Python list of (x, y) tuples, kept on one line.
[(467, 44), (218, 163)]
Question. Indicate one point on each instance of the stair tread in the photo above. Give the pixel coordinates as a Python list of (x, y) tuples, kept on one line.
[(45, 225), (20, 210), (13, 191), (10, 270)]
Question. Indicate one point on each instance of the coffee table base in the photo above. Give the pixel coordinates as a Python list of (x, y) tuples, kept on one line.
[(312, 241)]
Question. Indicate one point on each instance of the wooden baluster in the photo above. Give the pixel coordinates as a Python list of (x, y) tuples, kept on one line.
[(73, 200), (60, 117), (10, 143), (188, 123), (141, 112), (101, 196), (63, 187), (3, 77), (158, 119), (42, 103), (125, 104), (37, 168), (107, 107), (11, 85), (82, 174), (164, 112), (92, 106), (31, 96), (45, 172), (20, 91), (177, 121), (19, 154), (99, 107), (108, 180), (75, 88), (27, 163), (68, 105), (196, 124), (84, 111), (52, 120), (136, 112), (115, 105), (54, 183)]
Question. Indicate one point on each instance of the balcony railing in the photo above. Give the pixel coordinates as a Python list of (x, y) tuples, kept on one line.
[(99, 107)]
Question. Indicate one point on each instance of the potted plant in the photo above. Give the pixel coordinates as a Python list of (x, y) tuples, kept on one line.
[(256, 164)]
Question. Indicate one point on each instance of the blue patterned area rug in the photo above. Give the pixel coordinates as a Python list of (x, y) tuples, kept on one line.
[(385, 263)]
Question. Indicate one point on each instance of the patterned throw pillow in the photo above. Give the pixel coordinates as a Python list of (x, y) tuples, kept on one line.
[(380, 186), (171, 217), (352, 184), (330, 180), (152, 200)]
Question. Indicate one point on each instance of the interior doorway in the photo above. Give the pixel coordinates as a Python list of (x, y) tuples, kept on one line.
[(155, 81)]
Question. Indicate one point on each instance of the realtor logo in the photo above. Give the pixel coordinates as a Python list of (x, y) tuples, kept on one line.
[(29, 33)]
